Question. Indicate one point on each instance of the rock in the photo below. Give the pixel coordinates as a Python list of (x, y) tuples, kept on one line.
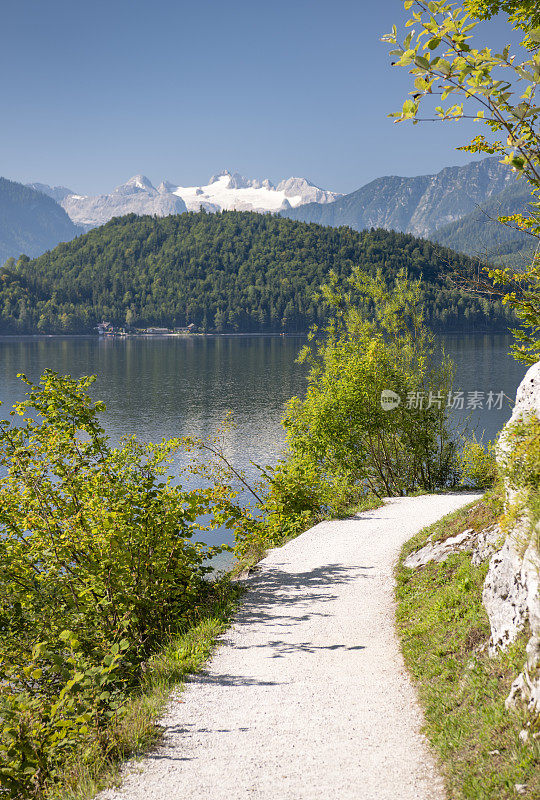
[(526, 687), (481, 544), (505, 597), (487, 543), (528, 394), (440, 551), (511, 591), (527, 403)]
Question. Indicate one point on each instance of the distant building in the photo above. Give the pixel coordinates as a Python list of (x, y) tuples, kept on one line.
[(191, 328), (105, 328), (157, 330)]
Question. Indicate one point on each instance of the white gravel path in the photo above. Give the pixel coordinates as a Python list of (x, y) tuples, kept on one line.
[(307, 698)]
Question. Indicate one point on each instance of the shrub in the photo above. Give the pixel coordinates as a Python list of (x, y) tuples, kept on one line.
[(340, 431), (56, 705), (478, 465), (98, 567)]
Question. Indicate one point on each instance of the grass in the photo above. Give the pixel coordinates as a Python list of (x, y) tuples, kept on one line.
[(443, 629), (136, 729)]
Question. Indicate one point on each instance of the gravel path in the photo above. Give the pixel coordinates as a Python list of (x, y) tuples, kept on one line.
[(308, 698)]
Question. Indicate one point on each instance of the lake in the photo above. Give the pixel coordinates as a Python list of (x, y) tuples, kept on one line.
[(165, 387)]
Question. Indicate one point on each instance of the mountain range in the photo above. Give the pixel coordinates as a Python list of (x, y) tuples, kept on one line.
[(225, 191), (455, 207)]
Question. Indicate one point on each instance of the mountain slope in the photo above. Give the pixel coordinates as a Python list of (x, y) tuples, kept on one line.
[(233, 192), (232, 271), (57, 193), (30, 222), (480, 234), (418, 205)]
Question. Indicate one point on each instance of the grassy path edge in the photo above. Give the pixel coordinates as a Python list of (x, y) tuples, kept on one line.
[(443, 629), (137, 729)]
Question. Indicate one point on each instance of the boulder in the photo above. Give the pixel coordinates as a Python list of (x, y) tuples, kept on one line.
[(440, 551), (505, 597)]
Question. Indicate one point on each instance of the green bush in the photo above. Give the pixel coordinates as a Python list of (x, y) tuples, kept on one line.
[(98, 567), (55, 706), (340, 437), (478, 464)]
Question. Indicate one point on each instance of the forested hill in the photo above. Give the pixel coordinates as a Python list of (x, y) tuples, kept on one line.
[(231, 271)]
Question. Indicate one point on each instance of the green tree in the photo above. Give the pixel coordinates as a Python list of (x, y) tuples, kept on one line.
[(523, 14), (499, 91), (342, 439), (238, 270)]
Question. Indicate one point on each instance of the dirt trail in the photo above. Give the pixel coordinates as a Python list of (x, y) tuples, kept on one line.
[(307, 698)]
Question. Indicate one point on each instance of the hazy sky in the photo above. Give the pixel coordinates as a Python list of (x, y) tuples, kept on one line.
[(93, 93)]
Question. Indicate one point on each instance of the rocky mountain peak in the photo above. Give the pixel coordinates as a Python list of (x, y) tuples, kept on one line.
[(140, 182)]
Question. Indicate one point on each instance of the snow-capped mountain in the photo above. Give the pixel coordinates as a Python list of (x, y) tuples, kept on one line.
[(57, 193), (231, 191), (226, 191), (137, 196)]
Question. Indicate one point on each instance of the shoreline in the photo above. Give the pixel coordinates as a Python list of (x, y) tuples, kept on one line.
[(187, 336)]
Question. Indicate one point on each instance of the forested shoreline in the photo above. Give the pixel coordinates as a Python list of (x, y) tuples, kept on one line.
[(232, 272)]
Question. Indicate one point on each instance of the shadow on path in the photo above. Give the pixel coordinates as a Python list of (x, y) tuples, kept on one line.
[(280, 599)]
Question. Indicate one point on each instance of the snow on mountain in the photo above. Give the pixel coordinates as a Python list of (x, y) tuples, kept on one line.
[(137, 196), (224, 191), (232, 191)]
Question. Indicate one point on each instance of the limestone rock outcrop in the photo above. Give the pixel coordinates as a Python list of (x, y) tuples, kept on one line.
[(480, 544), (511, 593)]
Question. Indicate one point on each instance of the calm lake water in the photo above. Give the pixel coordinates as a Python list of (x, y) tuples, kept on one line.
[(165, 387)]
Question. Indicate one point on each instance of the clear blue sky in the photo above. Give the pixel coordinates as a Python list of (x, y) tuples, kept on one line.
[(93, 93)]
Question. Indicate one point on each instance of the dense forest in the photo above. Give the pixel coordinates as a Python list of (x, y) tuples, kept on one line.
[(226, 272)]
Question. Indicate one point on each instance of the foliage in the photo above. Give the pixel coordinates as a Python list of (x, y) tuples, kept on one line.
[(478, 465), (522, 293), (98, 567), (56, 703), (443, 628), (340, 438), (444, 64), (92, 535), (523, 14), (233, 271), (519, 463)]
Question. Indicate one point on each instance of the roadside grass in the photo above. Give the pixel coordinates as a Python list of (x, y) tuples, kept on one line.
[(443, 629), (136, 728)]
